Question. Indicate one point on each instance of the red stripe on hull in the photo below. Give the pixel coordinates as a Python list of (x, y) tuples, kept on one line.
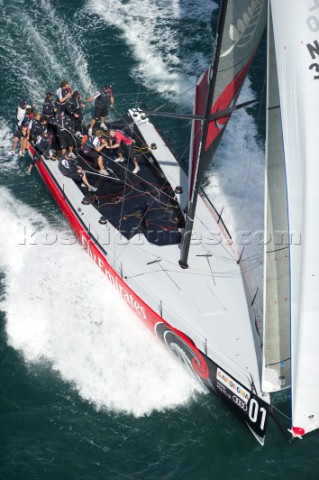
[(147, 314)]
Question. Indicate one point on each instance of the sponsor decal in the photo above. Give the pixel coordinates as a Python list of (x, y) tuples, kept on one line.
[(128, 297), (189, 355), (243, 29), (239, 402), (232, 385)]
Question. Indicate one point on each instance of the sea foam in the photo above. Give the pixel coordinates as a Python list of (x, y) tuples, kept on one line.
[(167, 62), (60, 309)]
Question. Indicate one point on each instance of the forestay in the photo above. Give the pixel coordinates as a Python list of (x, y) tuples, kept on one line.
[(296, 33)]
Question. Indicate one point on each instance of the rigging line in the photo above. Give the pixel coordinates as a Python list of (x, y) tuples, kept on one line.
[(95, 171), (140, 193), (126, 168), (146, 192), (147, 211), (129, 126), (232, 257), (143, 68), (142, 219), (281, 412), (165, 92), (144, 63), (171, 279), (171, 141), (211, 269), (122, 208), (278, 249), (127, 94), (277, 363), (195, 271), (178, 95), (157, 169), (192, 270), (179, 159)]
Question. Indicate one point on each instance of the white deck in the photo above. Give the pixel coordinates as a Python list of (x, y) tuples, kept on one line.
[(207, 301)]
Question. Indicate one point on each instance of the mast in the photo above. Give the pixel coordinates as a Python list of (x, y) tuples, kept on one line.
[(200, 156), (241, 24)]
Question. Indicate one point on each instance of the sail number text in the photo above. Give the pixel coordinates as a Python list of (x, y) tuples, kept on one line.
[(313, 48), (256, 413)]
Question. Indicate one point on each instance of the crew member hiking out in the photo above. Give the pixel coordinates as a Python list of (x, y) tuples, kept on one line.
[(125, 146), (23, 125), (21, 108), (41, 146), (20, 136), (102, 99)]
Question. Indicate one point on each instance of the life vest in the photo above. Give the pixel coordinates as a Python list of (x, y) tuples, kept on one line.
[(90, 144), (48, 107), (66, 167), (61, 93), (103, 99), (35, 127)]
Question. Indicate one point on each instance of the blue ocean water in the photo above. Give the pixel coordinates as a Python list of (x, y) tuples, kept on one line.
[(86, 392)]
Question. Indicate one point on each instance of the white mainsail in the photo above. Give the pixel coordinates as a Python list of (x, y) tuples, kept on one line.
[(296, 34)]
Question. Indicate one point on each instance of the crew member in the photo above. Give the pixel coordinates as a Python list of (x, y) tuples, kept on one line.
[(66, 132), (124, 144), (20, 136), (63, 95), (34, 128), (74, 110), (48, 108), (43, 144), (69, 168), (92, 147), (102, 99)]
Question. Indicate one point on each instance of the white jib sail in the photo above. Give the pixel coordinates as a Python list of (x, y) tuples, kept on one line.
[(276, 342), (296, 34)]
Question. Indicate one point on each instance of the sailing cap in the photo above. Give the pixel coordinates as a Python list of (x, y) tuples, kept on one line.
[(50, 94), (107, 86), (76, 93), (23, 103)]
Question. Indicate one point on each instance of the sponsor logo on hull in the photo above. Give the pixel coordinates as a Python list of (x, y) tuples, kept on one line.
[(233, 385), (112, 278)]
